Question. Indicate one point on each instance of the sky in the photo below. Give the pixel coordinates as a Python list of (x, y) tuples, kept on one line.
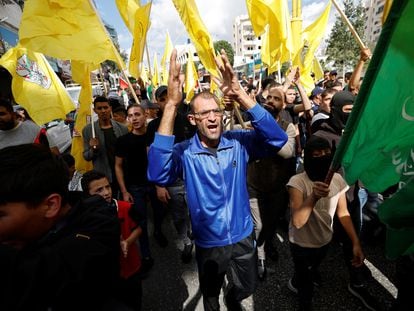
[(217, 15)]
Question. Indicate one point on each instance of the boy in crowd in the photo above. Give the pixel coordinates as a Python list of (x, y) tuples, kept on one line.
[(130, 287)]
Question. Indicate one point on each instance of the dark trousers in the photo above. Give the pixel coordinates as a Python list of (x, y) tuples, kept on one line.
[(238, 261), (130, 292), (306, 262)]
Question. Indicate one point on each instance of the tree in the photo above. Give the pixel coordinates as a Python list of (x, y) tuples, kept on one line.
[(342, 47), (223, 44)]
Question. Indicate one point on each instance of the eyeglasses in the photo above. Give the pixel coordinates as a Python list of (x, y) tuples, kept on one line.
[(206, 113)]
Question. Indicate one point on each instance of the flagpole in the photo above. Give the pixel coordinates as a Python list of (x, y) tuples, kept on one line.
[(148, 61), (346, 20), (120, 62), (92, 124)]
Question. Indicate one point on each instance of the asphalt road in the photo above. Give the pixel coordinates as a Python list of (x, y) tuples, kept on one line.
[(172, 285)]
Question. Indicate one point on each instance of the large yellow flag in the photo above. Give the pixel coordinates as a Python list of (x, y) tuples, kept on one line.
[(191, 78), (271, 20), (81, 73), (35, 85), (66, 29), (165, 60), (155, 73), (137, 19), (198, 33), (312, 37)]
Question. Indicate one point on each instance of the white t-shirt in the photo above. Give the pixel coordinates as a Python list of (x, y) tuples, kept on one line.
[(318, 230)]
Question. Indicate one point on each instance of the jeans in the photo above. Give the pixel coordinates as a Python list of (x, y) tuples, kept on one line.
[(139, 213), (306, 262), (178, 207), (238, 261)]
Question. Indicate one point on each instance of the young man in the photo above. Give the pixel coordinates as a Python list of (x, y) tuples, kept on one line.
[(130, 288), (213, 166), (57, 251), (101, 148), (131, 163), (313, 205)]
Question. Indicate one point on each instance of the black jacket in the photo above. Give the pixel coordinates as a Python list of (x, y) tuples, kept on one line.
[(74, 267)]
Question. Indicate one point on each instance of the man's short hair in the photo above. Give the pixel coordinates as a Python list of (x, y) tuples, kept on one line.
[(121, 110), (315, 143), (31, 172), (89, 177), (160, 91), (7, 104), (206, 95), (100, 99)]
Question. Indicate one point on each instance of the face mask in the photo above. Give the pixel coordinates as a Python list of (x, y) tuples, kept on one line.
[(317, 168)]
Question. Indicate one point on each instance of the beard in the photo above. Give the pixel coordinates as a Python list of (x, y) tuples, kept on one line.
[(7, 125)]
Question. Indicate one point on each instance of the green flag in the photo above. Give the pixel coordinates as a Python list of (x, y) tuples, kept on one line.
[(377, 147), (398, 214)]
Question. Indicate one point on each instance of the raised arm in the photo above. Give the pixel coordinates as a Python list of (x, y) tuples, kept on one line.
[(175, 94), (229, 84), (354, 81)]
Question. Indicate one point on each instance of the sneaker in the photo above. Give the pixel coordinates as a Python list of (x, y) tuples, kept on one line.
[(161, 239), (261, 269), (186, 254), (362, 294), (291, 286)]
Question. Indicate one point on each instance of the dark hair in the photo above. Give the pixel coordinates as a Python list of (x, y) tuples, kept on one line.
[(120, 109), (206, 95), (5, 84), (89, 177), (267, 81), (327, 92), (6, 104), (315, 143), (100, 99), (348, 75), (68, 158), (31, 172)]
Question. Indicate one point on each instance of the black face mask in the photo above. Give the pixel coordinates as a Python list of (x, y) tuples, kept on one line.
[(317, 168)]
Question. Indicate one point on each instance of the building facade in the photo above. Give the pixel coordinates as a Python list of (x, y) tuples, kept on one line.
[(373, 25)]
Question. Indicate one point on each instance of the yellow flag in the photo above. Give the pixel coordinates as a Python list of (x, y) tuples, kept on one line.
[(191, 78), (35, 85), (144, 74), (165, 60), (198, 33), (271, 20), (312, 37), (155, 73), (66, 29), (317, 69), (137, 20), (81, 73)]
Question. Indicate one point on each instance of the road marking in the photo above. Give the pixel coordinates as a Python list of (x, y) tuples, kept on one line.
[(381, 279)]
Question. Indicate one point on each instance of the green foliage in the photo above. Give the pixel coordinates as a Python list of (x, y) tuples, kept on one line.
[(342, 47), (222, 44)]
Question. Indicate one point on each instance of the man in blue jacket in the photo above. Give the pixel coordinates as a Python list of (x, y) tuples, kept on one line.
[(213, 166)]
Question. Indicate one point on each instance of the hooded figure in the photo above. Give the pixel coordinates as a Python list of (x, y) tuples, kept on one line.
[(341, 106)]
